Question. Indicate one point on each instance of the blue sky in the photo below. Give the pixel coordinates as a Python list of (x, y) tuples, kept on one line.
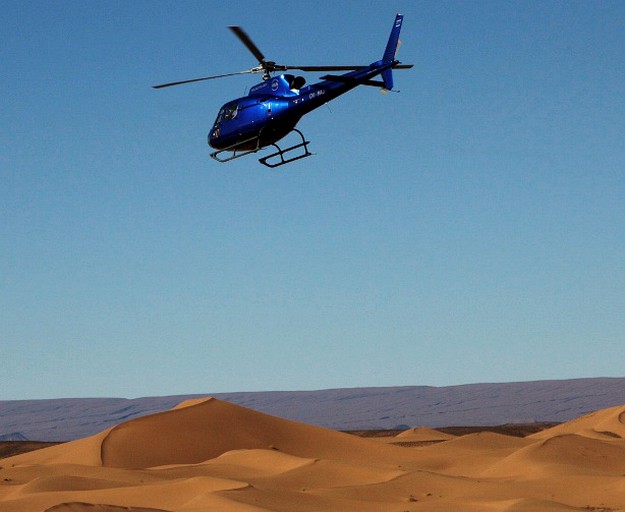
[(469, 229)]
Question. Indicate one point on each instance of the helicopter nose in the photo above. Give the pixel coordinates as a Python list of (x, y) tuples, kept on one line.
[(211, 137)]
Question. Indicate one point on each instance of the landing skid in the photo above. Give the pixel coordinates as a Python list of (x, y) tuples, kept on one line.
[(217, 154), (280, 153)]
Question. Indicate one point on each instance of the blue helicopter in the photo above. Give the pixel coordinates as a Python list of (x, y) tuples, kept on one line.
[(273, 107)]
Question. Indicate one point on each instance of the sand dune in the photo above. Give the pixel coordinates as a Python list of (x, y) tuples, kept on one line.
[(209, 455), (212, 427), (565, 454), (604, 424), (423, 434)]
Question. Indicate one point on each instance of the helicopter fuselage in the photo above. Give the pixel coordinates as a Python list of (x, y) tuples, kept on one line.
[(273, 107)]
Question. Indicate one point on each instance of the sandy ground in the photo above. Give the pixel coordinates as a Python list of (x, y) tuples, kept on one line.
[(209, 455)]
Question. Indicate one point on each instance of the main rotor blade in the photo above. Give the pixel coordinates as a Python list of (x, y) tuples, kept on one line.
[(253, 70), (325, 68), (245, 39), (341, 68)]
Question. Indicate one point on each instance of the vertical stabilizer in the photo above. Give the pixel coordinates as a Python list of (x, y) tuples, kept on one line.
[(391, 49)]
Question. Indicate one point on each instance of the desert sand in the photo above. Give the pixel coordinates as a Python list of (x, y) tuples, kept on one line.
[(209, 455)]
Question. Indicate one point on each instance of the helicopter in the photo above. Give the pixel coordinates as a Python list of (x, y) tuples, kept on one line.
[(272, 108)]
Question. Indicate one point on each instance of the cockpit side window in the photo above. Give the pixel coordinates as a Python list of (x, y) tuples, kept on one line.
[(220, 117)]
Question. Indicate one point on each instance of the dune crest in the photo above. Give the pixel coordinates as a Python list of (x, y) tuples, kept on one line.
[(192, 402), (89, 507), (211, 455)]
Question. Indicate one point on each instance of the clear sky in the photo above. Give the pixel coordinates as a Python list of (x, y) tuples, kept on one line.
[(469, 229)]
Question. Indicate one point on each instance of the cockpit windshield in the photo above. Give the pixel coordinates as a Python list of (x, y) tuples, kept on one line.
[(227, 113), (231, 112)]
